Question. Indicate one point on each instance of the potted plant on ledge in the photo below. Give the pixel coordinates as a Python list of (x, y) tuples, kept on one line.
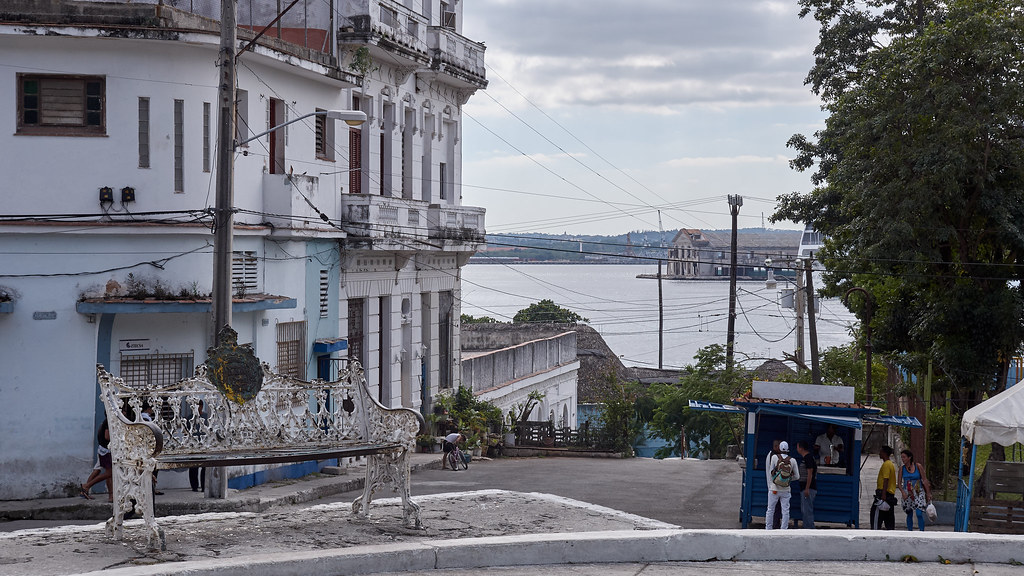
[(426, 443)]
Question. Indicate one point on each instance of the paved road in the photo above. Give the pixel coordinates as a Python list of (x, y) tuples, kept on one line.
[(740, 569), (686, 493)]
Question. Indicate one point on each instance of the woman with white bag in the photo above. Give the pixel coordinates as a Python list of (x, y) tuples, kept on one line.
[(917, 491)]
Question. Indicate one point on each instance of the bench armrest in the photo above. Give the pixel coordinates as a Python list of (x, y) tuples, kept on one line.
[(383, 424), (139, 430), (130, 435)]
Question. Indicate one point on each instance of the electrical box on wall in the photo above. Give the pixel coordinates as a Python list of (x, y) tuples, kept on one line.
[(106, 194), (127, 194)]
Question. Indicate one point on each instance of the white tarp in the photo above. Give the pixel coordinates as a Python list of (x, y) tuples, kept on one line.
[(1000, 419)]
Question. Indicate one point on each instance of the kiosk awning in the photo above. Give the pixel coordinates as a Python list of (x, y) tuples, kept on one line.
[(714, 407), (904, 421), (838, 420)]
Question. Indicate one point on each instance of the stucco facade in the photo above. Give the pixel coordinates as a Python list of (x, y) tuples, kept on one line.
[(106, 231)]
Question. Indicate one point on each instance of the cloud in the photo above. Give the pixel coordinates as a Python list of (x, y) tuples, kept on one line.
[(716, 161), (503, 160), (656, 53)]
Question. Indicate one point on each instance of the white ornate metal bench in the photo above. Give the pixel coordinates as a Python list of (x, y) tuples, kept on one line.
[(270, 418)]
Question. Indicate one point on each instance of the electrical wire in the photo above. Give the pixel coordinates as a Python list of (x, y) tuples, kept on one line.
[(158, 264)]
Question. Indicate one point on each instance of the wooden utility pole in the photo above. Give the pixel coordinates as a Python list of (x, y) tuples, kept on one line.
[(815, 372), (735, 201), (223, 216), (798, 305), (661, 323)]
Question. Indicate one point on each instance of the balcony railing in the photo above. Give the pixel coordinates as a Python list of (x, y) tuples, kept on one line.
[(368, 216), (451, 50), (404, 25), (386, 19), (448, 222), (306, 24)]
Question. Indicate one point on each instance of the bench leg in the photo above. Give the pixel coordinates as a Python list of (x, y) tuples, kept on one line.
[(391, 470), (133, 493)]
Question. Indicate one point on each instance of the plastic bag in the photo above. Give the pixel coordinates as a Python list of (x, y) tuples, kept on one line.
[(931, 512)]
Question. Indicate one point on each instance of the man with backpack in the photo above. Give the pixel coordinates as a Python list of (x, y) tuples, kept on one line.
[(781, 472)]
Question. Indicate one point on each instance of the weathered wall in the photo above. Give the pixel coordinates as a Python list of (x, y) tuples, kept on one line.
[(502, 366)]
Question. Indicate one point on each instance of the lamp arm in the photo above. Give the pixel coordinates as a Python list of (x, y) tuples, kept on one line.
[(265, 132)]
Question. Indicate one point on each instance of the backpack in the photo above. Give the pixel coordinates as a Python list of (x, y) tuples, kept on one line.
[(783, 472)]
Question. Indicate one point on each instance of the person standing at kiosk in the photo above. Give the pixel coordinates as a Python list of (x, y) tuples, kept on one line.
[(782, 471), (809, 484)]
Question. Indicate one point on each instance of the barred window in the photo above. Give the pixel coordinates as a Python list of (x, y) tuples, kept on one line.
[(206, 136), (179, 146), (152, 370), (143, 371), (291, 349), (143, 132)]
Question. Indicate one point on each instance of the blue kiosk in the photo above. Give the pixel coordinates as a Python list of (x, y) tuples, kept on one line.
[(794, 412)]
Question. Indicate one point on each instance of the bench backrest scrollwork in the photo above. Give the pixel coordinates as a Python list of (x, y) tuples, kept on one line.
[(194, 417)]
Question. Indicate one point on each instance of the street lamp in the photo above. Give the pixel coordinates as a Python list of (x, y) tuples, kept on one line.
[(350, 117), (224, 216)]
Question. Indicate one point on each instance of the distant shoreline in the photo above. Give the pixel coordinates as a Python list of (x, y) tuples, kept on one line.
[(500, 260)]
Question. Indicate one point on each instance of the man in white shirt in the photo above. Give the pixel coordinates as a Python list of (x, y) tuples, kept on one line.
[(829, 447), (779, 485)]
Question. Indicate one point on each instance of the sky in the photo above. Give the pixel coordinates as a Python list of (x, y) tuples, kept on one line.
[(598, 114)]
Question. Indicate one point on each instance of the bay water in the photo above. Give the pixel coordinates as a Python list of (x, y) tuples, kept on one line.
[(624, 309)]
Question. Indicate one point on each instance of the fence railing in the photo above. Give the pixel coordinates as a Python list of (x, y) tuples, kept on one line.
[(545, 434)]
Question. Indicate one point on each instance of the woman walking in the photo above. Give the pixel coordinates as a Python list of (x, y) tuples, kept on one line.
[(917, 491)]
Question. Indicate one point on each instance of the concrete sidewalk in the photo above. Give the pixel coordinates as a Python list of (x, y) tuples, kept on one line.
[(182, 501), (258, 531)]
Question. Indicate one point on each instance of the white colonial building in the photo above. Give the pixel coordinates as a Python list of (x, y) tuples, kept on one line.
[(347, 242)]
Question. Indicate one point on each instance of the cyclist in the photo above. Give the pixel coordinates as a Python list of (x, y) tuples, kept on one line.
[(450, 441)]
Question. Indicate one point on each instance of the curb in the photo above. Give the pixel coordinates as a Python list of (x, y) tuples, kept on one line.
[(612, 547)]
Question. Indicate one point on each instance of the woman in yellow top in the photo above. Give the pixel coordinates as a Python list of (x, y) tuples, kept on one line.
[(883, 513)]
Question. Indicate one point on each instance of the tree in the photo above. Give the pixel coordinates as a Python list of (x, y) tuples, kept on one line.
[(620, 426), (843, 366), (708, 379), (919, 179), (468, 319), (546, 311)]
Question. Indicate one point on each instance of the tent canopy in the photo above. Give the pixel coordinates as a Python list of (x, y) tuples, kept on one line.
[(1000, 419)]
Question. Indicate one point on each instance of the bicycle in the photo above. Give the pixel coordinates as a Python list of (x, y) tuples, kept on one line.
[(457, 458)]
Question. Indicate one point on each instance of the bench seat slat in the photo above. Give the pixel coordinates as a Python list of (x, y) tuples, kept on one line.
[(271, 455)]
